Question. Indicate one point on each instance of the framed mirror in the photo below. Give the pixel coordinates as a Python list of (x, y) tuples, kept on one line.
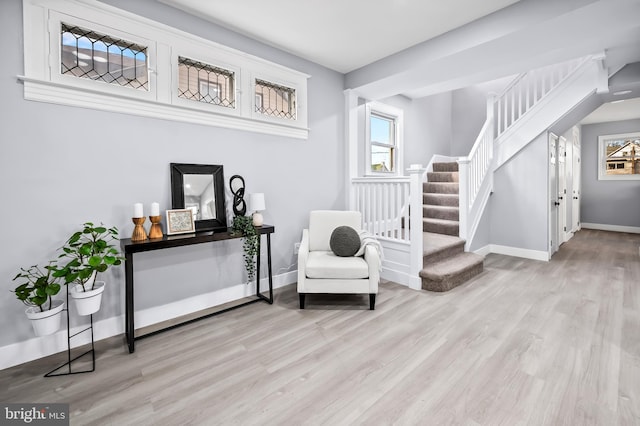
[(200, 188)]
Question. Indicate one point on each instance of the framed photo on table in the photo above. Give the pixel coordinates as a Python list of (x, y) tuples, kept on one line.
[(180, 221)]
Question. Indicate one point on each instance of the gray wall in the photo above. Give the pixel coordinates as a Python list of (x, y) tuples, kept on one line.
[(519, 204), (61, 166), (607, 202), (428, 129)]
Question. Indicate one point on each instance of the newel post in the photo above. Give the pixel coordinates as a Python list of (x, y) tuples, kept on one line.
[(416, 172), (463, 174)]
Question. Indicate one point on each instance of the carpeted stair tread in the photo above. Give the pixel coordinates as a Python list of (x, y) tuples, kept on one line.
[(433, 242), (443, 176), (445, 167), (441, 212), (441, 226), (438, 247), (449, 273), (441, 187), (452, 200)]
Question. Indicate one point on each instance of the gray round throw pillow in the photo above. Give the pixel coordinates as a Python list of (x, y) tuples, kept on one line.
[(344, 241)]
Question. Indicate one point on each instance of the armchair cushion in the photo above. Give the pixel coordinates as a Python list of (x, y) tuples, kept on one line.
[(344, 241), (326, 265)]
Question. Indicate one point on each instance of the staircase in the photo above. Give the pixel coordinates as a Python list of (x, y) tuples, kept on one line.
[(445, 263)]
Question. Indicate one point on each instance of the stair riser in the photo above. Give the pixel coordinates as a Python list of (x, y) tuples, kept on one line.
[(443, 254), (446, 213), (440, 187), (440, 228), (443, 176), (452, 281), (445, 167), (441, 200)]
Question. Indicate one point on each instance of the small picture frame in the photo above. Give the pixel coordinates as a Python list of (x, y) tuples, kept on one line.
[(180, 221)]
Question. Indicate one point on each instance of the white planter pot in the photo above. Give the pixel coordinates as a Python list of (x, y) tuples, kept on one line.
[(46, 322), (87, 302)]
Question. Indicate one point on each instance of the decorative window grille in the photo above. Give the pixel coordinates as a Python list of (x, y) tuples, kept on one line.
[(274, 100), (88, 54), (206, 83)]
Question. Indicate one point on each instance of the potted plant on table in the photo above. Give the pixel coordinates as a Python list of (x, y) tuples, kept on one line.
[(36, 290), (243, 225), (89, 251)]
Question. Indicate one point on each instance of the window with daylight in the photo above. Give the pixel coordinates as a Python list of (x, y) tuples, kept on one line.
[(383, 137), (100, 57), (202, 82), (619, 157), (274, 100)]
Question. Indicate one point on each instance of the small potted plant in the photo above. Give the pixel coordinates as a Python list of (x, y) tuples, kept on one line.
[(243, 225), (89, 251), (36, 290)]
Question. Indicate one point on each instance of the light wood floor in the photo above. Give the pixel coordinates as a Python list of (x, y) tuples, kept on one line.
[(526, 342)]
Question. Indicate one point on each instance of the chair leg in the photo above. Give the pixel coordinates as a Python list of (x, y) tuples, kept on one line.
[(301, 295), (372, 302)]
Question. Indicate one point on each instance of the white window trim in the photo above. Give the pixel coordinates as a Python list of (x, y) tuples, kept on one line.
[(602, 156), (398, 116), (41, 55)]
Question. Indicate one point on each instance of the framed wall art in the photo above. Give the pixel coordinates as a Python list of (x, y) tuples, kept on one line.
[(180, 221)]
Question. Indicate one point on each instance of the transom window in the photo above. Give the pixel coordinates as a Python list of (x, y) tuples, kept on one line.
[(100, 57), (274, 100), (206, 83)]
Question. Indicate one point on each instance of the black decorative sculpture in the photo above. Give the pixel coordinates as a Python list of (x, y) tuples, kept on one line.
[(237, 189)]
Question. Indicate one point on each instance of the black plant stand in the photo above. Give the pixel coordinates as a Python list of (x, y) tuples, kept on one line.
[(91, 351)]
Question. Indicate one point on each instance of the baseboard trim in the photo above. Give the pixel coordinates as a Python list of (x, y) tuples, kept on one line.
[(518, 252), (40, 347), (613, 228)]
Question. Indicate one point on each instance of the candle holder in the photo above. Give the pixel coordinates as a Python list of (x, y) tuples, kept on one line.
[(156, 229), (139, 233)]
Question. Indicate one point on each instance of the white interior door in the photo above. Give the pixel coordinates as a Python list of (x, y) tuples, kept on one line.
[(568, 227), (562, 189), (553, 194), (575, 188)]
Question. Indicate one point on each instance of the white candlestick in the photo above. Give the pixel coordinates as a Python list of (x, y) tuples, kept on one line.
[(155, 209), (137, 210)]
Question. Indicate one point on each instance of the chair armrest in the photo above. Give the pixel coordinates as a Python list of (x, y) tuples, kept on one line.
[(372, 257), (303, 254)]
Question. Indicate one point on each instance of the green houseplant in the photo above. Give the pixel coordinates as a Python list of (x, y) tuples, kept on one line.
[(243, 225), (36, 289), (89, 251)]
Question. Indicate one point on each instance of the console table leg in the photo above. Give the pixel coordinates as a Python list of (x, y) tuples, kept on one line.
[(129, 327), (269, 267)]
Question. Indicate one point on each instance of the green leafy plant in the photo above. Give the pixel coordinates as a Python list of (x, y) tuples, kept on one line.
[(90, 251), (243, 225), (38, 286)]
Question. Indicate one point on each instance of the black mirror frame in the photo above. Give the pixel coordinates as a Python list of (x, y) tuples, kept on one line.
[(178, 171)]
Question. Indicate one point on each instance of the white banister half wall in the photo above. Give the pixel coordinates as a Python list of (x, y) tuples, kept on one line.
[(384, 204)]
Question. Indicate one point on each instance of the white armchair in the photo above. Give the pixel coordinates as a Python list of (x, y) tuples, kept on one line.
[(321, 271)]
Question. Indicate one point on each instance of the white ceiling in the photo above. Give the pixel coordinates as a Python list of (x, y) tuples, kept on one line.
[(341, 34), (627, 109)]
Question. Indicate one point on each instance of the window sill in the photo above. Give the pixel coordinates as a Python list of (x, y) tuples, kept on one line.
[(62, 94)]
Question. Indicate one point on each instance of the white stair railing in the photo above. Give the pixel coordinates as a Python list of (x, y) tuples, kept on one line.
[(528, 89), (476, 178)]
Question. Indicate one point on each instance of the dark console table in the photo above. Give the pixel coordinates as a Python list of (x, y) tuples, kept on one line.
[(169, 241)]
